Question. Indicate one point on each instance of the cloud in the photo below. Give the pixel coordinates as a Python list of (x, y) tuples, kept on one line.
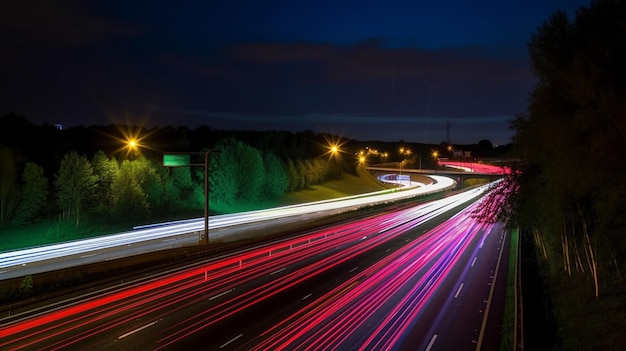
[(42, 23), (307, 78)]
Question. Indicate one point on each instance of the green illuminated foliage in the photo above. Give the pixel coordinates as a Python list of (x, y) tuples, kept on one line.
[(75, 183)]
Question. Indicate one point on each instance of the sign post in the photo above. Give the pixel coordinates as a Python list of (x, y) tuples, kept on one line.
[(183, 160)]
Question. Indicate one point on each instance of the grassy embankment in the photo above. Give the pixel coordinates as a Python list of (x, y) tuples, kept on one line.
[(60, 231)]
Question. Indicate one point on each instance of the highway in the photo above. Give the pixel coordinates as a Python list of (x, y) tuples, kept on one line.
[(398, 280), (171, 235)]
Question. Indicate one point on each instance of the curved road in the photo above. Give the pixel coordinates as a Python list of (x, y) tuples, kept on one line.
[(392, 281)]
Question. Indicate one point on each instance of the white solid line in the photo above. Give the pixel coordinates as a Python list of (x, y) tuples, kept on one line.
[(458, 291), (277, 271), (431, 343), (136, 330), (231, 340), (218, 295)]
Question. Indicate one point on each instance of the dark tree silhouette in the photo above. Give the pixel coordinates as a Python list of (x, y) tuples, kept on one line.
[(33, 194), (572, 145)]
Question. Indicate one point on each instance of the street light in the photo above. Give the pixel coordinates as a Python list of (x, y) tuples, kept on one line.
[(403, 151), (132, 146)]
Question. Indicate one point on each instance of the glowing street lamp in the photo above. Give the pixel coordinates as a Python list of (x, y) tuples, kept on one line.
[(132, 147), (403, 152)]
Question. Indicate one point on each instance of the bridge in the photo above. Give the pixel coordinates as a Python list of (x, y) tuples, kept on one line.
[(458, 171)]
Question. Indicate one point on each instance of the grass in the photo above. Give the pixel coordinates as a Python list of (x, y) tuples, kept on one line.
[(508, 323)]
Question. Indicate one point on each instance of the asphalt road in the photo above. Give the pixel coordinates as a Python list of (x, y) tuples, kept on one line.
[(409, 279)]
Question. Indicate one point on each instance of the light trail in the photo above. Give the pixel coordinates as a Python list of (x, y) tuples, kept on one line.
[(129, 309), (376, 309), (14, 260)]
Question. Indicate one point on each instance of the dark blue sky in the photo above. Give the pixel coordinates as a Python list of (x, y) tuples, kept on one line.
[(367, 70)]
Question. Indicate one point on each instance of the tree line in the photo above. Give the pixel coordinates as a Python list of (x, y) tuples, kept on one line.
[(572, 142), (130, 187), (567, 194)]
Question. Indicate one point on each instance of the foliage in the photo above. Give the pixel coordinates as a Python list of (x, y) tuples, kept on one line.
[(105, 169), (237, 173), (276, 181), (76, 184), (26, 286), (129, 200), (33, 195), (9, 193), (572, 145)]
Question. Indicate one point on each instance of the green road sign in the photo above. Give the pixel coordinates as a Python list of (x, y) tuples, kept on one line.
[(175, 160)]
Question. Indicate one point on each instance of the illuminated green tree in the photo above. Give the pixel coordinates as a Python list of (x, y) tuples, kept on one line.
[(129, 200), (237, 173), (276, 182), (105, 169), (75, 185)]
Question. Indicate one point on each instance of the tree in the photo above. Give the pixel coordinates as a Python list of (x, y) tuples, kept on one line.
[(129, 199), (573, 139), (33, 195), (237, 173), (276, 181), (292, 176), (75, 184), (9, 193), (105, 169)]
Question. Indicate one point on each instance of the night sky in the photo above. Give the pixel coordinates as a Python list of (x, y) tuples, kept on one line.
[(367, 70)]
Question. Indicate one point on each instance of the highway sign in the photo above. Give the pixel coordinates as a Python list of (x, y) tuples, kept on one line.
[(175, 160)]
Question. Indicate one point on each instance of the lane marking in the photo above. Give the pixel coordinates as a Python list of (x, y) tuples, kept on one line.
[(136, 330), (473, 261), (85, 256), (458, 291), (431, 343), (277, 271), (306, 297), (231, 340), (489, 299), (354, 269), (221, 294)]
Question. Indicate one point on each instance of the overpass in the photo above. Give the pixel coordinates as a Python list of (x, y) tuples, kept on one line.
[(459, 175)]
